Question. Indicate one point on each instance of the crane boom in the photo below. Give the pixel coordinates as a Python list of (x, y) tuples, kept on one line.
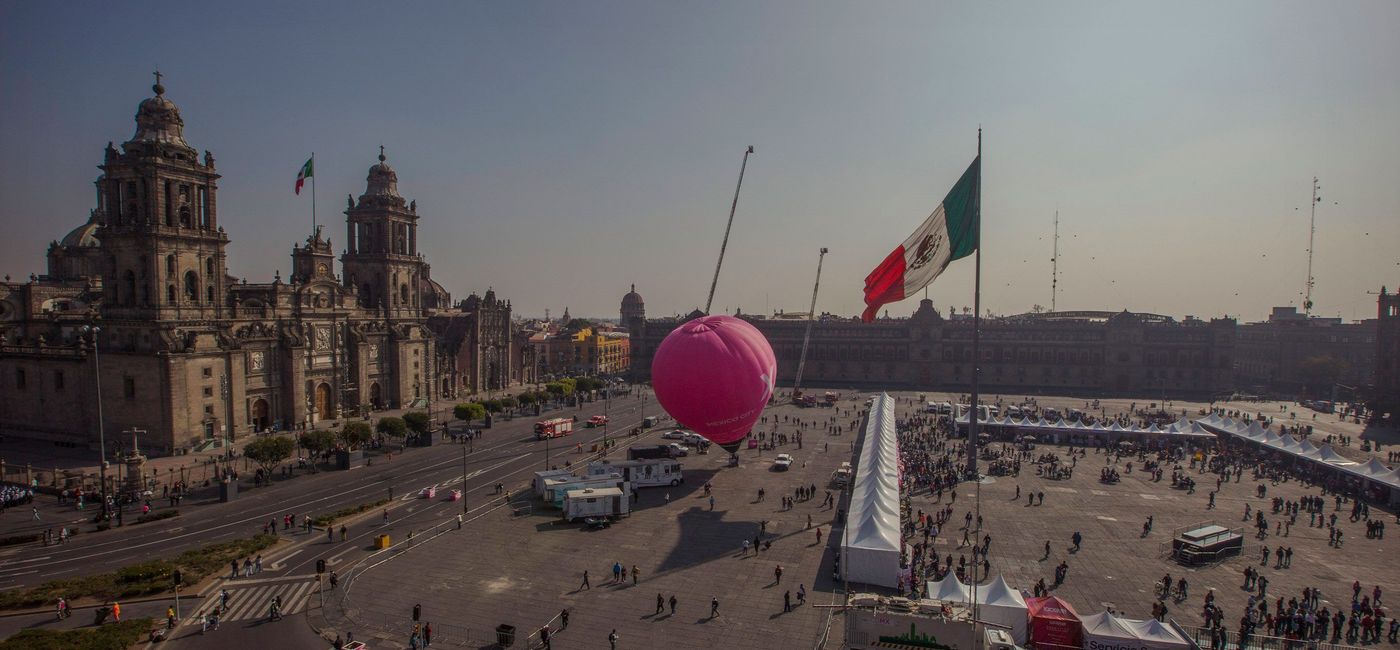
[(807, 336)]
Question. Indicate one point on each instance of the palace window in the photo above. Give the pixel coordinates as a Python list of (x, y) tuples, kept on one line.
[(191, 287), (58, 380), (129, 387), (20, 379)]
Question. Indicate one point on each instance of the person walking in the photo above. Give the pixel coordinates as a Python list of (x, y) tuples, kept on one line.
[(117, 612), (673, 603), (636, 575), (585, 584), (787, 601), (612, 639), (778, 574), (343, 531), (564, 619), (660, 604), (714, 607)]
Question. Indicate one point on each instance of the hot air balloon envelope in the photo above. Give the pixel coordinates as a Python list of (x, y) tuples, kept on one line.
[(714, 374)]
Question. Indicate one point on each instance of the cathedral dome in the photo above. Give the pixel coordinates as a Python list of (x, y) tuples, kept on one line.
[(158, 121), (633, 299), (84, 236), (382, 181)]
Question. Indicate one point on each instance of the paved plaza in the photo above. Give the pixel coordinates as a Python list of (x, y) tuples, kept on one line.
[(524, 570)]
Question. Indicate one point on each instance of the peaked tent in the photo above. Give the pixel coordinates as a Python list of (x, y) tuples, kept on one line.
[(1054, 623), (950, 589), (1006, 606), (1153, 634), (871, 544), (1104, 630)]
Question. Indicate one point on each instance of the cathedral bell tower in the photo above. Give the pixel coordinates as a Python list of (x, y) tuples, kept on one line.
[(159, 231), (381, 258)]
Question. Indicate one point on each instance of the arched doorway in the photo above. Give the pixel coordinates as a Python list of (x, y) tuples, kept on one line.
[(325, 409), (376, 399), (261, 419)]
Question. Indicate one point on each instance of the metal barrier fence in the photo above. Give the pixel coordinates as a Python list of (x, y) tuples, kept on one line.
[(1202, 637)]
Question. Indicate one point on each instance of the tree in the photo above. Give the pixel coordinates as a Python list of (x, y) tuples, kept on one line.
[(469, 411), (417, 421), (578, 324), (1320, 372), (392, 427), (569, 386), (509, 403), (267, 452), (526, 399), (354, 434), (492, 405), (318, 441), (588, 384)]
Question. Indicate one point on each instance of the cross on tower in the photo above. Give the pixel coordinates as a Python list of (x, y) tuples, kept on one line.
[(158, 76), (381, 153)]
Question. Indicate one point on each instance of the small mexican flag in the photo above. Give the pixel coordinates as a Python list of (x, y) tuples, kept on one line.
[(950, 233), (305, 173)]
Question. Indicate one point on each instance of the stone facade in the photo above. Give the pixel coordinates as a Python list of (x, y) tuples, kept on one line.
[(1387, 378), (477, 347), (1089, 353), (1271, 354), (184, 351)]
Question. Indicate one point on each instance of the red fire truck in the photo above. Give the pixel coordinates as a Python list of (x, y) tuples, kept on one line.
[(555, 428)]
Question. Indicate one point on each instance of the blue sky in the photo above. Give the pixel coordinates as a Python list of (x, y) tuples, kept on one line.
[(562, 151)]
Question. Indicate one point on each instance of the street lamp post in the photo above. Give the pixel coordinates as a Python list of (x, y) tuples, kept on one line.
[(101, 430)]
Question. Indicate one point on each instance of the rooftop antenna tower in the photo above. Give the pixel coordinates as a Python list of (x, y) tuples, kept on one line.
[(1055, 264), (1312, 234)]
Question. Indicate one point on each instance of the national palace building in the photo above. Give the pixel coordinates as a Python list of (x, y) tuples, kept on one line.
[(185, 352), (1082, 353)]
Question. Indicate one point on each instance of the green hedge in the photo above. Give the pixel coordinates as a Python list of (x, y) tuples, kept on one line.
[(146, 578), (328, 519), (157, 516), (113, 636)]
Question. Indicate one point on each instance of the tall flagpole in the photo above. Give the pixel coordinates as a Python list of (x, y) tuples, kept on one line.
[(976, 370), (313, 194), (976, 322)]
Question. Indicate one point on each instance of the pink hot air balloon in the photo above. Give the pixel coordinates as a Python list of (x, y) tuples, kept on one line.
[(714, 374)]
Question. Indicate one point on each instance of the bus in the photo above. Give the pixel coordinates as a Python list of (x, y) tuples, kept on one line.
[(555, 428)]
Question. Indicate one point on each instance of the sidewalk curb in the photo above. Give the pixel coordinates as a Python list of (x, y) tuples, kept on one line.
[(135, 601)]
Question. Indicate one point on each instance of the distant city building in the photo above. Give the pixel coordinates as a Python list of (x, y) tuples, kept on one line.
[(1089, 353), (1387, 383), (189, 353), (1292, 352), (585, 352)]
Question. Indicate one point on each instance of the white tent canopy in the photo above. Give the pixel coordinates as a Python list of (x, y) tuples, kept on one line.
[(1181, 429), (1374, 470), (1004, 605), (950, 589), (871, 545)]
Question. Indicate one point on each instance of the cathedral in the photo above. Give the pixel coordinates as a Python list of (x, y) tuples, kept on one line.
[(138, 322)]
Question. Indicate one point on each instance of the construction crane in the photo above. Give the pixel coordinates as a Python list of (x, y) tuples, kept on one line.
[(807, 336)]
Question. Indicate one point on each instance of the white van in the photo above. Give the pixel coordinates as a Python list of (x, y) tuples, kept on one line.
[(842, 476)]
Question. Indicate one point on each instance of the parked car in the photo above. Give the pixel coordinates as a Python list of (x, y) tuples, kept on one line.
[(694, 439), (782, 463), (678, 450), (675, 434)]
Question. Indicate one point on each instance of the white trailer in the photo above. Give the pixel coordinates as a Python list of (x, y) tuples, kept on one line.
[(647, 472), (538, 483), (595, 502), (559, 486)]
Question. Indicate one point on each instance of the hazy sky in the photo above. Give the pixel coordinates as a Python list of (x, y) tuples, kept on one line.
[(562, 151)]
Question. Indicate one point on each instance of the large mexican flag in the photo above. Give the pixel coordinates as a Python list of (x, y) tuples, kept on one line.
[(306, 172), (950, 233)]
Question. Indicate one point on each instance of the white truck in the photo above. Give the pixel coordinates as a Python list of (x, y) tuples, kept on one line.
[(649, 472), (595, 502)]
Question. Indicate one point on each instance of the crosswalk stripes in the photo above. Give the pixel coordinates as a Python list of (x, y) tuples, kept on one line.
[(255, 601)]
